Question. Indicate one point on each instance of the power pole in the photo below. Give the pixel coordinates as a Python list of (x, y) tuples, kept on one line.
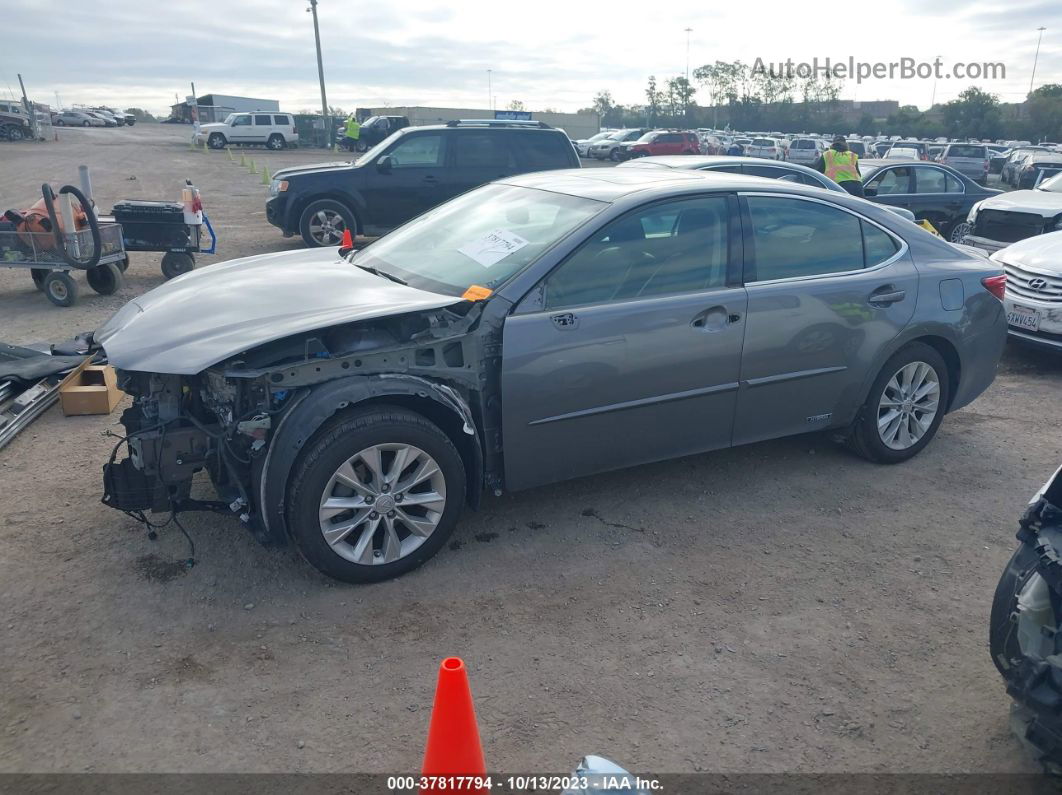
[(1036, 57), (688, 32), (320, 76), (490, 90)]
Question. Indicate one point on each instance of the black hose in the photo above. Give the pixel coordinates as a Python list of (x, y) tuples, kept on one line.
[(57, 232)]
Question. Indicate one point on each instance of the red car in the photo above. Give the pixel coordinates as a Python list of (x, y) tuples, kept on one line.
[(661, 142)]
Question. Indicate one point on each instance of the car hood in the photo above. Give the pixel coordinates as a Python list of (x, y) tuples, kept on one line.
[(208, 315), (313, 168), (1043, 202), (1040, 254), (214, 125)]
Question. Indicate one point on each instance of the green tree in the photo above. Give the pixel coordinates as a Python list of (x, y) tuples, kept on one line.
[(517, 104), (654, 100), (974, 114), (140, 114), (1045, 112)]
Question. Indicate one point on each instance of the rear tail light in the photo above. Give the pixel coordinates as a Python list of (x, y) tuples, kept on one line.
[(997, 285)]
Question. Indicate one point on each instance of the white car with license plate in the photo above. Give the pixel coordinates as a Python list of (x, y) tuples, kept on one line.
[(1033, 300)]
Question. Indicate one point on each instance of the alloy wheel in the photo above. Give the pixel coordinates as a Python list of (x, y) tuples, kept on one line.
[(959, 232), (326, 227), (908, 405), (382, 504)]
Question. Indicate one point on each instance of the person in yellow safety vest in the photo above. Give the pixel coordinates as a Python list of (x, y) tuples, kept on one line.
[(842, 166), (353, 131)]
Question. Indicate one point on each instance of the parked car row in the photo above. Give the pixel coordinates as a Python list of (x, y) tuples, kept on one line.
[(92, 117)]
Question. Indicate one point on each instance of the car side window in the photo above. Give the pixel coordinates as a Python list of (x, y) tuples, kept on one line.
[(893, 181), (667, 248), (931, 180), (732, 169), (262, 120), (878, 245), (481, 150), (282, 121), (543, 150), (795, 237), (764, 171), (241, 121), (953, 185), (417, 151)]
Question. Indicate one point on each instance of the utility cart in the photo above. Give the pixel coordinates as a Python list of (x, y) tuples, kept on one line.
[(50, 241), (177, 228)]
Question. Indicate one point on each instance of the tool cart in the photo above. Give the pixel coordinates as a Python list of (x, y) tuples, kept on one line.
[(55, 237)]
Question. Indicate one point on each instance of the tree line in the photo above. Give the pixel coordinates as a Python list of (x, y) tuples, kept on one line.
[(744, 98)]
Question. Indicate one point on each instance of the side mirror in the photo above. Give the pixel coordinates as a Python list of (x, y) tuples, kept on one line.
[(870, 190), (385, 164)]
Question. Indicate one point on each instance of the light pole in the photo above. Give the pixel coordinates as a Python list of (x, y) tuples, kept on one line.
[(686, 88), (688, 32), (936, 68), (1036, 57), (320, 76), (490, 89)]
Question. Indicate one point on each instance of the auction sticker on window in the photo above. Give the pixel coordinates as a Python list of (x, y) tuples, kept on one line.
[(493, 247)]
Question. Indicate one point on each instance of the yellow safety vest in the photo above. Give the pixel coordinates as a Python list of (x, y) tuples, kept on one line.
[(841, 166), (353, 129)]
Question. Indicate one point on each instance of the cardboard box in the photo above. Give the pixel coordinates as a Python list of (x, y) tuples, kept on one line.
[(90, 389)]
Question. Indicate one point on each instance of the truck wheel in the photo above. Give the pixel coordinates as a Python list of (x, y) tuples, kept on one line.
[(174, 263), (216, 141), (905, 406), (275, 142), (375, 494), (60, 288), (105, 279), (322, 223)]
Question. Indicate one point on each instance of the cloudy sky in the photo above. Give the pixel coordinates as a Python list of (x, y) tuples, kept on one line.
[(546, 53)]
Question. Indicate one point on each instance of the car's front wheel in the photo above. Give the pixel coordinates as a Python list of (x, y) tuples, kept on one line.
[(905, 406), (375, 494), (216, 141), (323, 222), (959, 232)]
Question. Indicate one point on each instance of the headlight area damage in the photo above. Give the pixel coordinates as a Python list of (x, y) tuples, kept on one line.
[(1025, 636), (246, 420)]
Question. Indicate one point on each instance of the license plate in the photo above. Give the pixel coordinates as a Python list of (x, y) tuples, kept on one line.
[(1024, 318)]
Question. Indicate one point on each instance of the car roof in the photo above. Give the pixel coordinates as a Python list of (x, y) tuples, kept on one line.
[(691, 162), (612, 184)]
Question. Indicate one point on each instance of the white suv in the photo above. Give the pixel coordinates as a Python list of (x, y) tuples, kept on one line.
[(805, 151), (272, 130)]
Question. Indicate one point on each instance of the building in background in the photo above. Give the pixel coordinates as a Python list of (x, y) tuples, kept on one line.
[(576, 125), (215, 107)]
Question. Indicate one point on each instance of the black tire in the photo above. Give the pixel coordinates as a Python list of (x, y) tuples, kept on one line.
[(39, 275), (338, 217), (60, 288), (123, 263), (105, 279), (59, 122), (334, 444), (1002, 634), (216, 141), (864, 438), (614, 155), (276, 142), (14, 133), (175, 263)]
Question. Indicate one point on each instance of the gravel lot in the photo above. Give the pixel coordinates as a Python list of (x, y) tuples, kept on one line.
[(779, 607)]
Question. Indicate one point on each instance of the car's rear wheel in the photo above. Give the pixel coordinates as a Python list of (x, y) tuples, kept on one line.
[(376, 494), (59, 122), (86, 124), (323, 222), (614, 155), (904, 408), (216, 141), (959, 232), (14, 133), (275, 142)]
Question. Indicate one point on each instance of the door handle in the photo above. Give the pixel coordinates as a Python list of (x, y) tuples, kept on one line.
[(431, 180), (886, 296), (715, 318)]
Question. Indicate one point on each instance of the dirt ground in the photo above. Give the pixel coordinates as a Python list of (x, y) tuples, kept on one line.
[(779, 607)]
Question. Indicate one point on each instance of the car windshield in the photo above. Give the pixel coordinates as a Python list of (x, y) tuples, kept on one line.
[(480, 238), (1052, 184), (649, 136), (619, 135), (229, 118)]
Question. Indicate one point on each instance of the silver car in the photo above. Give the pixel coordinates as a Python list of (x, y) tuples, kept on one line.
[(969, 159), (536, 329)]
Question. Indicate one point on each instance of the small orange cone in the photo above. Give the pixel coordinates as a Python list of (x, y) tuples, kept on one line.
[(348, 241), (453, 739)]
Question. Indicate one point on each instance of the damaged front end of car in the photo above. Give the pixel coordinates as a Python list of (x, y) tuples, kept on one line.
[(1026, 627), (244, 420)]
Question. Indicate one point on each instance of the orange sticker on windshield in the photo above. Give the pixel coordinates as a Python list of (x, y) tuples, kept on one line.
[(476, 293)]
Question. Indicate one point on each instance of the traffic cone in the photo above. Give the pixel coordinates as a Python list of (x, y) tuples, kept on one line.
[(453, 747), (251, 166), (265, 175), (243, 162), (348, 241), (229, 150)]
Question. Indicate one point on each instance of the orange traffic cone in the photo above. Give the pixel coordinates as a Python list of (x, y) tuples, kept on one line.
[(453, 740), (348, 241)]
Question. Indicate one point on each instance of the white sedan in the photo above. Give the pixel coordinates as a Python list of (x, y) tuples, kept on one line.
[(1033, 300)]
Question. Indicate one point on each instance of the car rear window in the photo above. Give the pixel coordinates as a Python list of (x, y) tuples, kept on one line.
[(967, 151), (282, 120), (762, 142), (802, 145), (544, 150)]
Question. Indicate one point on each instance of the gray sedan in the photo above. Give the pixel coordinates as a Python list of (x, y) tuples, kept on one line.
[(536, 329), (752, 166)]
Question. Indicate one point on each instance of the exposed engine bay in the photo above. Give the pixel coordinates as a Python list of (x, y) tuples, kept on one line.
[(244, 420), (1025, 635)]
